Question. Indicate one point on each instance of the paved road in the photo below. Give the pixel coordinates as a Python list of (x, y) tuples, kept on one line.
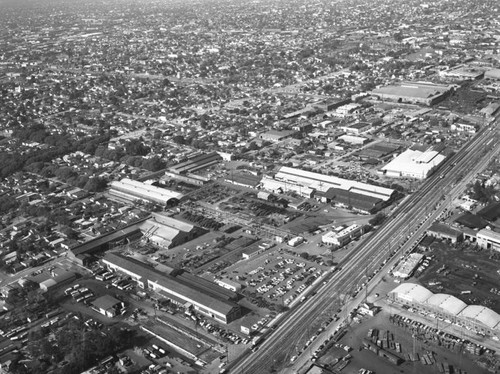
[(408, 221)]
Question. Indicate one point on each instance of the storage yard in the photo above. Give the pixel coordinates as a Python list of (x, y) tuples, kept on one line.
[(393, 344)]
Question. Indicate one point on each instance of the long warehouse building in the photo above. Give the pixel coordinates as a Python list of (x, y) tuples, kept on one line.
[(184, 289), (310, 180), (132, 190)]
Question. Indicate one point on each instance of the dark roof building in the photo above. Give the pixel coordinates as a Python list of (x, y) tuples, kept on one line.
[(107, 305), (471, 221), (102, 243), (196, 162), (490, 212), (443, 231), (347, 198)]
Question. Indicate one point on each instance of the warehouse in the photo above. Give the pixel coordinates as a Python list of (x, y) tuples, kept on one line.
[(352, 200), (132, 190), (413, 93), (167, 232), (276, 136), (53, 280), (443, 231), (462, 72), (493, 74), (342, 237), (414, 163), (196, 162), (182, 288), (488, 239), (279, 187), (302, 179), (107, 305), (79, 253), (356, 128), (406, 268), (448, 308)]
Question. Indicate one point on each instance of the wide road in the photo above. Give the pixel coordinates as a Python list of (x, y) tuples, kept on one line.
[(408, 221)]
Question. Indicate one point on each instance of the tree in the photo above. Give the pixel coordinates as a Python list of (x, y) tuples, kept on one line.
[(378, 219), (96, 184)]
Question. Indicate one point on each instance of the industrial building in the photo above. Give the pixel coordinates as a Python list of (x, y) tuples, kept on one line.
[(278, 186), (132, 190), (244, 179), (463, 72), (342, 237), (447, 308), (352, 139), (53, 280), (413, 93), (81, 253), (182, 288), (107, 305), (297, 180), (351, 200), (196, 162), (276, 135), (414, 163), (157, 229), (406, 268), (465, 127), (488, 239), (442, 231), (493, 74), (167, 232), (356, 128)]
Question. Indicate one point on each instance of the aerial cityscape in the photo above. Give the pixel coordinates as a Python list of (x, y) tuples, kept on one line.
[(249, 187)]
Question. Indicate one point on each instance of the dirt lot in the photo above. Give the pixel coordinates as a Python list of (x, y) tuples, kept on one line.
[(465, 269)]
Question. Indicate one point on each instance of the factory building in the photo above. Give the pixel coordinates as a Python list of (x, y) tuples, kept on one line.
[(413, 93), (488, 239), (182, 288), (132, 190), (196, 162), (414, 163), (298, 179), (342, 237)]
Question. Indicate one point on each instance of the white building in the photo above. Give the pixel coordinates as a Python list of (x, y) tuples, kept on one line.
[(405, 268), (134, 190), (413, 164), (300, 180), (488, 239), (342, 237)]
